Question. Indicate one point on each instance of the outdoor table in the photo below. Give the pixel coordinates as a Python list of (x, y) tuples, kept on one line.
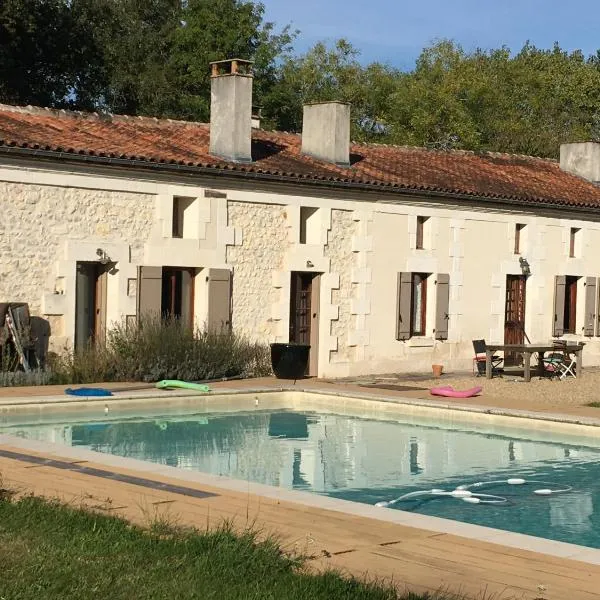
[(527, 350)]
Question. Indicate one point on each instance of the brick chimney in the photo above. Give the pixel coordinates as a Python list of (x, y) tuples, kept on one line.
[(582, 159), (326, 132), (231, 110)]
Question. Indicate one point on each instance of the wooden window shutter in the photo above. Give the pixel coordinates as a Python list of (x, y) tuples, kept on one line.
[(442, 303), (558, 326), (403, 300), (149, 291), (590, 306), (219, 300), (598, 311)]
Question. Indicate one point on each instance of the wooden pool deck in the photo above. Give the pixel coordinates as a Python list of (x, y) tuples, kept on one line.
[(412, 558)]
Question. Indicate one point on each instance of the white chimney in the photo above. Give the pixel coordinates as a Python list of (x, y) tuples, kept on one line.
[(326, 132), (582, 159), (231, 110)]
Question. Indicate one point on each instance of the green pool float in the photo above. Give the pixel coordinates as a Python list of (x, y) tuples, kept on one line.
[(175, 384)]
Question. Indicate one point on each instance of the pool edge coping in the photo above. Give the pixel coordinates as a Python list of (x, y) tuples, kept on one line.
[(40, 401)]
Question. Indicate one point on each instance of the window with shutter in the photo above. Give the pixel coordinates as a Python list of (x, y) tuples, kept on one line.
[(442, 306), (219, 300), (403, 305), (590, 306), (558, 323), (149, 291)]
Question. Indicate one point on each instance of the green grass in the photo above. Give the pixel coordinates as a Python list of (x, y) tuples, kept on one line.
[(593, 404), (49, 550)]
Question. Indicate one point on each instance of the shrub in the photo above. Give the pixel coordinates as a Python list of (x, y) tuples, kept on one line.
[(158, 349)]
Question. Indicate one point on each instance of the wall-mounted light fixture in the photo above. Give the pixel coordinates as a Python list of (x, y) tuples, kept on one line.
[(103, 257), (525, 269), (309, 264)]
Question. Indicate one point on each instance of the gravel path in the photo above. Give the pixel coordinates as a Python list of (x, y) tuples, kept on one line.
[(555, 392)]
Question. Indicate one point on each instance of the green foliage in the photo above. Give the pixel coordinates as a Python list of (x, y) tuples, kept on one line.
[(53, 551), (151, 57), (47, 54), (154, 350), (218, 29)]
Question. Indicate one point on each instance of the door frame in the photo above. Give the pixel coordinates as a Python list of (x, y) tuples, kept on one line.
[(95, 278), (313, 318)]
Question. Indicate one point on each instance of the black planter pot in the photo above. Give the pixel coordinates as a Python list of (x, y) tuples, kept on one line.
[(289, 361)]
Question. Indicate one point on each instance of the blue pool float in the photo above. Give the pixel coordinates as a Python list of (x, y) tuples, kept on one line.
[(87, 391)]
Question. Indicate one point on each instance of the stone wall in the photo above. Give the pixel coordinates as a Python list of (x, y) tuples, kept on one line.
[(36, 221), (265, 243), (339, 251)]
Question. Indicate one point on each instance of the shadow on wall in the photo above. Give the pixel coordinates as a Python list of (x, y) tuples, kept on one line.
[(40, 332)]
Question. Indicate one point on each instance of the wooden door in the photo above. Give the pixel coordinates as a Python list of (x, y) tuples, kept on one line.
[(91, 281), (100, 300), (514, 316), (304, 314)]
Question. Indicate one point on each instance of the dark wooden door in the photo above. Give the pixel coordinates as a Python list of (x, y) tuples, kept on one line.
[(300, 307), (304, 314), (514, 316)]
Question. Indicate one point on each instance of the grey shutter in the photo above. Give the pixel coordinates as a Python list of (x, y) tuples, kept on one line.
[(442, 302), (404, 286), (219, 300), (558, 326), (590, 306), (149, 292)]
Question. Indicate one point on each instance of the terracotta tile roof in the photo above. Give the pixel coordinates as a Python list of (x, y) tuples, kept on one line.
[(394, 168)]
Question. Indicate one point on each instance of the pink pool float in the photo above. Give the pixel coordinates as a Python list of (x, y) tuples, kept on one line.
[(450, 392)]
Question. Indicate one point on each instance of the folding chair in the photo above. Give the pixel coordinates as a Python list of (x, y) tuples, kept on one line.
[(560, 363), (553, 364), (567, 366), (479, 346)]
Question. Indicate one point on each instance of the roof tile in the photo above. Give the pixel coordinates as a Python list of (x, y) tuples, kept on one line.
[(165, 141)]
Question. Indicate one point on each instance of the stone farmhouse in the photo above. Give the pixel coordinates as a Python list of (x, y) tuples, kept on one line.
[(383, 258)]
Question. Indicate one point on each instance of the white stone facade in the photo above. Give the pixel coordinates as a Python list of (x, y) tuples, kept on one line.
[(54, 218)]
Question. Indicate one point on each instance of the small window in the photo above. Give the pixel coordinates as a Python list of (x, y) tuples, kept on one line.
[(573, 239), (518, 229), (181, 210), (421, 221), (570, 304), (418, 308), (309, 225)]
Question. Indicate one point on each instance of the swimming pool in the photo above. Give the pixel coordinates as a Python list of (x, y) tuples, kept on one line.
[(368, 454)]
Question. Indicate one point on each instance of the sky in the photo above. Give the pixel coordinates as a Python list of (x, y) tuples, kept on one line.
[(395, 31)]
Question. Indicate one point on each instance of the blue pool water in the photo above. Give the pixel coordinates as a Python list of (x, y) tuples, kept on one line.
[(368, 461)]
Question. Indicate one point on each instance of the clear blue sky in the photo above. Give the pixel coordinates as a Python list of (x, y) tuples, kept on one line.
[(395, 31)]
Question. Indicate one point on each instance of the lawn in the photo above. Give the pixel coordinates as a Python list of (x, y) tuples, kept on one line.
[(48, 550)]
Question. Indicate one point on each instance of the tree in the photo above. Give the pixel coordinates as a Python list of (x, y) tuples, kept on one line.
[(48, 57), (215, 30)]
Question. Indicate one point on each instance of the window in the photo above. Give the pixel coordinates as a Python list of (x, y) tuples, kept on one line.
[(309, 225), (182, 208), (570, 304), (573, 238), (518, 229), (412, 307), (418, 308), (421, 226)]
